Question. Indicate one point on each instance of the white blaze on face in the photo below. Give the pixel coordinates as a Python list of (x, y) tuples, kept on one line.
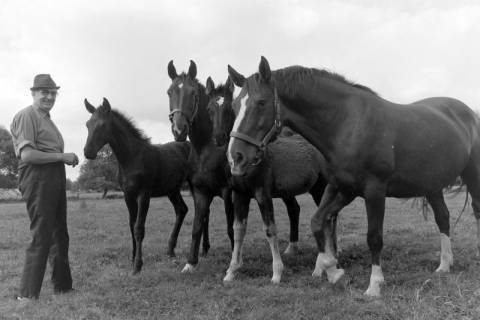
[(220, 101), (180, 85), (236, 124)]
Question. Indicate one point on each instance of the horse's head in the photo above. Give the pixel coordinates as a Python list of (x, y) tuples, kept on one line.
[(220, 110), (184, 97), (99, 128), (258, 118)]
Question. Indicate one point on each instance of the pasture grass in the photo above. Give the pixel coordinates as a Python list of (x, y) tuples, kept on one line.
[(100, 250)]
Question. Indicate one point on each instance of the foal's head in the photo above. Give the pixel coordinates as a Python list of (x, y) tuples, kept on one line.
[(184, 96), (99, 128), (257, 121), (220, 110)]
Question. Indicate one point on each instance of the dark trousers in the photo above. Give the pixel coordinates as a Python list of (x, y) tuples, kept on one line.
[(43, 189)]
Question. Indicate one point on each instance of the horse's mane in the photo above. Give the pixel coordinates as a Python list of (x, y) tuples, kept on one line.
[(127, 124), (293, 76)]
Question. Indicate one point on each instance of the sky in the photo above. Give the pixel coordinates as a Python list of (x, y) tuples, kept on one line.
[(404, 50)]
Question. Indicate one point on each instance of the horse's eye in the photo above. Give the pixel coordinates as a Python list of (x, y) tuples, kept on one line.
[(261, 103), (169, 92)]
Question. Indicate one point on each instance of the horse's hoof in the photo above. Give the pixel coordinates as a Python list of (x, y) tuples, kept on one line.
[(334, 275), (171, 253), (276, 279), (292, 249), (373, 292), (135, 272), (189, 268), (443, 269), (317, 273), (229, 277)]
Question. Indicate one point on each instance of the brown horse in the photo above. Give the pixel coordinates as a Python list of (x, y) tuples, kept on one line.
[(290, 166), (145, 170), (374, 149)]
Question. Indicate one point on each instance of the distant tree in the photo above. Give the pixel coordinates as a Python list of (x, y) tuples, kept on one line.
[(101, 173), (8, 160)]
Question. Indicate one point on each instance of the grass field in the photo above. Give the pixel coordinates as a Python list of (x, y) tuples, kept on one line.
[(100, 252)]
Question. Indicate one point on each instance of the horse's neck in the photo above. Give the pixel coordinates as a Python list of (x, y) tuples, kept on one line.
[(316, 113), (201, 132), (124, 145)]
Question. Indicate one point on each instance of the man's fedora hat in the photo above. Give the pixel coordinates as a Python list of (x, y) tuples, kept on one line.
[(43, 81)]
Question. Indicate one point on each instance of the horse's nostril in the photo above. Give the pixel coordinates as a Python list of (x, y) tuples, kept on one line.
[(238, 157)]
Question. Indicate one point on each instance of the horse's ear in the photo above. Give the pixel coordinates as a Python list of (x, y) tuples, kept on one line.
[(210, 86), (229, 84), (192, 70), (88, 106), (264, 69), (172, 72), (237, 78), (106, 106)]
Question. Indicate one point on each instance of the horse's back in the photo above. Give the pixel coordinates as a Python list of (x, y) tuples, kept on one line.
[(296, 165)]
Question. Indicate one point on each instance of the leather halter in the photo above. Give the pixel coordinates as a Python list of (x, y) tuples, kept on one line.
[(189, 119), (274, 130)]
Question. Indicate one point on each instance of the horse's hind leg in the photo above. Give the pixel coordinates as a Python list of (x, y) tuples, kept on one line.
[(293, 210), (442, 218), (471, 177), (181, 210)]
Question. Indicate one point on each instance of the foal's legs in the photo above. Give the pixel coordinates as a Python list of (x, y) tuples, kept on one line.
[(228, 203), (293, 210), (181, 210), (333, 201), (202, 200), (241, 205), (143, 201), (442, 217), (471, 177), (265, 204)]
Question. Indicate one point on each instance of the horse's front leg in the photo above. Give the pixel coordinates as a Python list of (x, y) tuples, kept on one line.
[(241, 205), (322, 225), (293, 210), (229, 213), (181, 210), (143, 202), (202, 200), (264, 200), (131, 202)]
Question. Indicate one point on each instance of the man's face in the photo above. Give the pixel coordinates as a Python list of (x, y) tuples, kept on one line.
[(44, 98)]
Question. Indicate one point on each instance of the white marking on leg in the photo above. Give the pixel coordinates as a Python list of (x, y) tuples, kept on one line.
[(189, 268), (277, 264), (239, 229), (376, 280), (328, 263), (292, 248), (446, 256)]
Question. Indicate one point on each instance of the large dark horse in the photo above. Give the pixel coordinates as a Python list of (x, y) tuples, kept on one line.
[(145, 170), (374, 148), (290, 166)]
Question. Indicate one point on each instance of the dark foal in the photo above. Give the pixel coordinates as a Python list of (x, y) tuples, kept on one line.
[(289, 166), (373, 149), (209, 173), (145, 170)]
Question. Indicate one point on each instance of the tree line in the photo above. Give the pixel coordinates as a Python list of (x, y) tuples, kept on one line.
[(95, 175)]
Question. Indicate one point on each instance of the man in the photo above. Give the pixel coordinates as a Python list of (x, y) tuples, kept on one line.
[(39, 147)]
